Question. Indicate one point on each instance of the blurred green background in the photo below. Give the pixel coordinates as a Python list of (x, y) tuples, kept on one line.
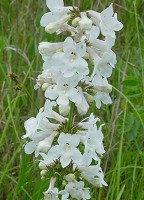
[(20, 63)]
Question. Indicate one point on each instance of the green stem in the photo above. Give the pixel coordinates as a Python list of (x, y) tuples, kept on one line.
[(70, 117)]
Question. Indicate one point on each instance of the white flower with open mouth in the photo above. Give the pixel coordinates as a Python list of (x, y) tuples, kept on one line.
[(66, 149), (92, 138), (109, 23), (106, 21), (93, 174), (41, 132), (103, 64), (102, 89), (64, 91), (52, 192), (71, 60), (76, 190), (39, 127)]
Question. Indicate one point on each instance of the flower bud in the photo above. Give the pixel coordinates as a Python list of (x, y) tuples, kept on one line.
[(85, 23), (69, 177), (64, 110), (107, 88), (42, 166), (42, 178), (45, 86), (89, 98), (43, 173), (75, 22), (64, 183)]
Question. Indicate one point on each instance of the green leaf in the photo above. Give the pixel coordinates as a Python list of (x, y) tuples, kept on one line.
[(130, 82), (134, 131), (129, 122)]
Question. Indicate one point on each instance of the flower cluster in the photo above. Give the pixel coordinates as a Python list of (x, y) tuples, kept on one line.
[(75, 72)]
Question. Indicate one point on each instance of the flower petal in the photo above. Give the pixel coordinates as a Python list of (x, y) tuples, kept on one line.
[(54, 4), (30, 147)]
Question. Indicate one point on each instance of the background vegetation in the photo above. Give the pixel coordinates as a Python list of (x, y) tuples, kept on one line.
[(20, 63)]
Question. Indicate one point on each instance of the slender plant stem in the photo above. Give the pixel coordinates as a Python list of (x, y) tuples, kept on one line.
[(70, 117)]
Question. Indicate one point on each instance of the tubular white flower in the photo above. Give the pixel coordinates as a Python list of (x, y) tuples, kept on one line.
[(107, 21), (64, 91), (48, 49), (102, 90), (66, 149), (45, 145), (50, 113), (83, 106), (55, 26), (73, 54), (58, 12), (93, 174), (52, 192), (76, 190)]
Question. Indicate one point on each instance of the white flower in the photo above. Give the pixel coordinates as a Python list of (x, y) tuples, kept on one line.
[(102, 65), (76, 190), (55, 5), (103, 95), (64, 91), (107, 21), (93, 33), (55, 26), (91, 121), (39, 127), (66, 149), (45, 145), (92, 138), (47, 49), (105, 65), (93, 174), (54, 20), (50, 113), (70, 61), (52, 192), (41, 131), (83, 106)]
